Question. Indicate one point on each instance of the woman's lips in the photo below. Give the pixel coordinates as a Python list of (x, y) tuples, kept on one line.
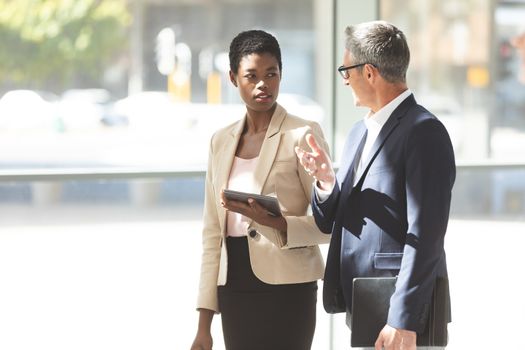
[(263, 97)]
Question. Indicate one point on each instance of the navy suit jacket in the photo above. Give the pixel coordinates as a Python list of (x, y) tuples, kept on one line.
[(393, 222)]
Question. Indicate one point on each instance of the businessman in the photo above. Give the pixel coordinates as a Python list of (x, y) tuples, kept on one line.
[(387, 207)]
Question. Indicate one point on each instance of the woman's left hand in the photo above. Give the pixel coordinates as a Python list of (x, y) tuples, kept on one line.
[(254, 211)]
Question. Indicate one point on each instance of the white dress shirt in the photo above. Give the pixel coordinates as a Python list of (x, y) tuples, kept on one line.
[(374, 123)]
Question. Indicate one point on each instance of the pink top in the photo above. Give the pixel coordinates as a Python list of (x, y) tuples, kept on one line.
[(241, 179)]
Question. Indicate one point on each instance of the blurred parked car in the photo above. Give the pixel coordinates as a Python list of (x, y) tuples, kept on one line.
[(154, 108), (158, 110), (28, 110), (82, 109), (147, 109)]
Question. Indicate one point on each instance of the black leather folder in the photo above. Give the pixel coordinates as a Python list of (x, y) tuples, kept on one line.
[(370, 304)]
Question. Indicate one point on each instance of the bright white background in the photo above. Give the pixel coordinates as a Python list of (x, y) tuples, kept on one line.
[(126, 278)]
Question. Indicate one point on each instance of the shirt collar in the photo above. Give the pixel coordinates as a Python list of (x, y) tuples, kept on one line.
[(375, 121)]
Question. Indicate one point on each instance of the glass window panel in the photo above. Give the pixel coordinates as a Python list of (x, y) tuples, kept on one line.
[(117, 83), (464, 70)]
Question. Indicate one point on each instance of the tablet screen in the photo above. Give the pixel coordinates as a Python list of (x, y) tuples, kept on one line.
[(269, 203)]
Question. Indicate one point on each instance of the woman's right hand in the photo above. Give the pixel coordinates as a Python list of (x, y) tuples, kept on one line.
[(203, 341)]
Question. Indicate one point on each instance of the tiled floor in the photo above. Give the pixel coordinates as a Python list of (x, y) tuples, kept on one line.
[(126, 278)]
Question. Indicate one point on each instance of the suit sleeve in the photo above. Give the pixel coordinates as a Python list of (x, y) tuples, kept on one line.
[(302, 230), (324, 212), (211, 245), (430, 174)]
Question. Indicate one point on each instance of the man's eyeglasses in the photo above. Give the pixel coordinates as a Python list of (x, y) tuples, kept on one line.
[(344, 70)]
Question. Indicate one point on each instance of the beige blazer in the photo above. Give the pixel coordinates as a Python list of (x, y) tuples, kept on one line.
[(276, 257)]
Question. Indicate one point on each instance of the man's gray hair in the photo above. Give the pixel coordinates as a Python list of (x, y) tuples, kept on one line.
[(381, 44)]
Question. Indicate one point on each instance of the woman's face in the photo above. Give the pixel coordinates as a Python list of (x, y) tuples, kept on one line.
[(258, 79)]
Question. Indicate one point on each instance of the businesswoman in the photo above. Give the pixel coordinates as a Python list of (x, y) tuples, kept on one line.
[(259, 271)]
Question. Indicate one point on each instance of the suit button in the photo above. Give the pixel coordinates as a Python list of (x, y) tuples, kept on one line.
[(252, 233)]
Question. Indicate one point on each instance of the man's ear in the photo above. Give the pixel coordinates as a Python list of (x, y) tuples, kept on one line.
[(371, 72), (232, 79)]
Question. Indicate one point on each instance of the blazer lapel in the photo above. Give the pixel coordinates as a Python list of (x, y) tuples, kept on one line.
[(355, 143), (348, 180), (224, 164), (268, 150), (387, 130)]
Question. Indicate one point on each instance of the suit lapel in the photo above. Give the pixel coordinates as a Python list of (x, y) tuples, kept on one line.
[(353, 148), (348, 182), (225, 158), (392, 122), (268, 150)]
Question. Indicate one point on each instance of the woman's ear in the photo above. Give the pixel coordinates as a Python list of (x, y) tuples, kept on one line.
[(232, 79)]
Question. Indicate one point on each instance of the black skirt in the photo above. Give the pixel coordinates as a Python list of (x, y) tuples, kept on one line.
[(260, 316)]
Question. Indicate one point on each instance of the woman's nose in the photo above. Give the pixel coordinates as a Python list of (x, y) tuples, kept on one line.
[(261, 84)]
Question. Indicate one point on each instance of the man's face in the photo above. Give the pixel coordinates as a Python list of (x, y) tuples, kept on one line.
[(519, 43), (359, 85)]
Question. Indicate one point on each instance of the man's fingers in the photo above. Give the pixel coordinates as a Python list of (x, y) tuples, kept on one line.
[(300, 152), (378, 345), (305, 158), (310, 139)]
